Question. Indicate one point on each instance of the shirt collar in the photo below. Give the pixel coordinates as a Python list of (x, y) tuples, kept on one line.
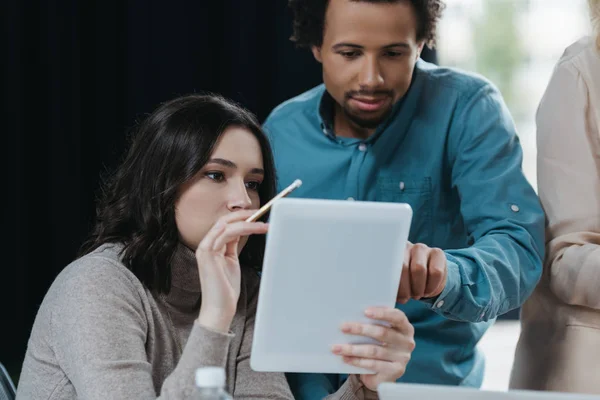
[(326, 109)]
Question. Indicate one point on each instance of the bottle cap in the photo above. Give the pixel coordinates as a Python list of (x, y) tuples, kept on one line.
[(210, 377)]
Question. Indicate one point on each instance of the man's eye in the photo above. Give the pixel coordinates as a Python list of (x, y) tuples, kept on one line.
[(393, 54)]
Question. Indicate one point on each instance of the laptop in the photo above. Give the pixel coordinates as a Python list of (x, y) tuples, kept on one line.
[(411, 391)]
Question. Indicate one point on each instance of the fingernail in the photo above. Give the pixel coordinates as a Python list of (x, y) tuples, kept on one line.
[(370, 313), (345, 327), (336, 348)]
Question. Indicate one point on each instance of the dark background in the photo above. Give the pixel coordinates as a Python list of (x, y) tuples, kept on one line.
[(75, 76)]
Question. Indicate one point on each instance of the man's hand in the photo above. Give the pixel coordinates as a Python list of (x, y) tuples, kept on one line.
[(424, 273)]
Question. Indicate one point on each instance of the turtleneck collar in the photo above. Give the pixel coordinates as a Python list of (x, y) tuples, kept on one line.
[(185, 280)]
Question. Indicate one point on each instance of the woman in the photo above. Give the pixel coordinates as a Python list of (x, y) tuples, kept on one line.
[(559, 347), (167, 281)]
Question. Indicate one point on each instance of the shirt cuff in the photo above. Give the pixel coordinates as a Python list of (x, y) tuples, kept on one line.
[(445, 301), (206, 347), (450, 303), (352, 389)]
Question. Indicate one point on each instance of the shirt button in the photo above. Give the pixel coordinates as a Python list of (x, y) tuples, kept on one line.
[(514, 207), (350, 199), (362, 147), (439, 304), (402, 185)]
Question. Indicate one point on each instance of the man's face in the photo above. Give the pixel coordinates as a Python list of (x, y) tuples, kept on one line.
[(368, 54)]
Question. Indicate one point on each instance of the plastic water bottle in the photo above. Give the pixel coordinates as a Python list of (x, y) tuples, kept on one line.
[(210, 384)]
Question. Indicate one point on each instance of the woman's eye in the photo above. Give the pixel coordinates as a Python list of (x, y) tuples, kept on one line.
[(253, 185), (349, 54), (215, 176)]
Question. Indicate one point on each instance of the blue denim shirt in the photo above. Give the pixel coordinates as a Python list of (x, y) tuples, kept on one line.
[(450, 150)]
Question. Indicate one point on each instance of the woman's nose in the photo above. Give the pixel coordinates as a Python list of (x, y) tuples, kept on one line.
[(239, 198)]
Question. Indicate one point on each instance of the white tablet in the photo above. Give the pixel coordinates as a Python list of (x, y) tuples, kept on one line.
[(326, 261), (394, 391)]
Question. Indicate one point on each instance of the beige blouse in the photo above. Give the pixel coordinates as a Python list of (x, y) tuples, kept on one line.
[(569, 174), (559, 347)]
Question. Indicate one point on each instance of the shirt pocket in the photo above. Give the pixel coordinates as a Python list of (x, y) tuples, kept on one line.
[(415, 191)]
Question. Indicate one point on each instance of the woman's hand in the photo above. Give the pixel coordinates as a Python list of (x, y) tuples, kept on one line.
[(219, 268), (389, 358)]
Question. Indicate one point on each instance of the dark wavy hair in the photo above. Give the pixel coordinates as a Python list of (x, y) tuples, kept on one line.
[(137, 202), (309, 19)]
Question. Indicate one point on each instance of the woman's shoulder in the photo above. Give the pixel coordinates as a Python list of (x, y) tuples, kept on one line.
[(576, 73), (105, 261), (583, 56), (95, 286), (97, 273)]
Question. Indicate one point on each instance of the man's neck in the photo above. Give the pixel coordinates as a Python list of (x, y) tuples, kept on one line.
[(343, 127)]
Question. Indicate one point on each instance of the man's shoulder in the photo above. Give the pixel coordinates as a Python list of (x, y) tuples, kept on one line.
[(305, 104), (453, 80)]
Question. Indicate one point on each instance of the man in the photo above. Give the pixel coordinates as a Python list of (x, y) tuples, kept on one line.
[(387, 126)]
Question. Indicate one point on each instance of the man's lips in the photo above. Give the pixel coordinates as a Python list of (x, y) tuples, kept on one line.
[(369, 103)]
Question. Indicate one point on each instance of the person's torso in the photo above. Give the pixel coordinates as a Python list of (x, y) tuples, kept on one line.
[(408, 160), (168, 326), (544, 309)]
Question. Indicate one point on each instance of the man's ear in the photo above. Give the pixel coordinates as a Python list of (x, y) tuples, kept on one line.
[(317, 53), (420, 48)]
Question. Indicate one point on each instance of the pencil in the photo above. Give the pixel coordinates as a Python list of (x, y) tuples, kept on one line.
[(260, 212)]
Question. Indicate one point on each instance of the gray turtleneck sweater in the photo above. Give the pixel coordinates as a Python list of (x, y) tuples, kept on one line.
[(101, 334)]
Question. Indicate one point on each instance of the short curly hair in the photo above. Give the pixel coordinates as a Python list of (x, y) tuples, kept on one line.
[(309, 19)]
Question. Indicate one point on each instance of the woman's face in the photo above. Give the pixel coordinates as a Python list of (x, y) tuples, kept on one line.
[(228, 182)]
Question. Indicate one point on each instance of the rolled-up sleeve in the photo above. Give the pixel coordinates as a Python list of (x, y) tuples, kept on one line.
[(501, 211)]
